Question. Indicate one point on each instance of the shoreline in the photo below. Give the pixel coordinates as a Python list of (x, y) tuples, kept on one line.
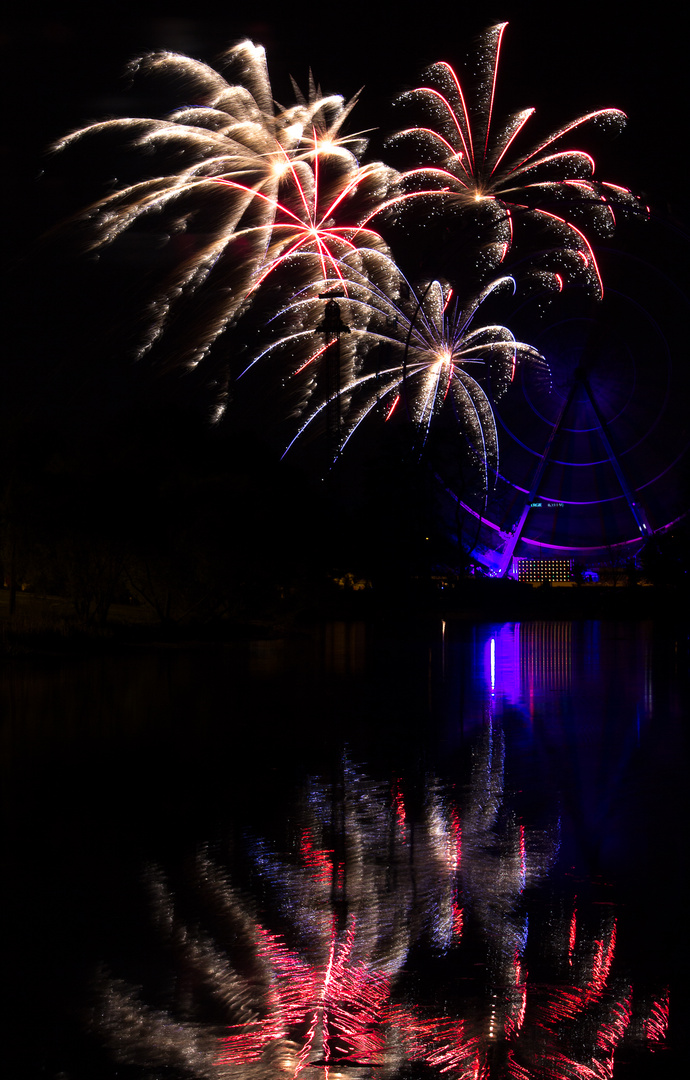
[(48, 624)]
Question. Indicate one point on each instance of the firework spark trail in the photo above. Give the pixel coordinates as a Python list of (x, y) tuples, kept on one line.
[(308, 228), (257, 207), (437, 353), (257, 188), (246, 183), (470, 161)]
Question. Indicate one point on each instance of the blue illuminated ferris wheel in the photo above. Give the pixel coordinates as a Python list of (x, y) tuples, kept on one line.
[(594, 456)]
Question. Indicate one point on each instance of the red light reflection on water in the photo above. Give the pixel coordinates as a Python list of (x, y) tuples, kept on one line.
[(410, 947)]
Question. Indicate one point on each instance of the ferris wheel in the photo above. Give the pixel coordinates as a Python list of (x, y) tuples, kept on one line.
[(594, 455)]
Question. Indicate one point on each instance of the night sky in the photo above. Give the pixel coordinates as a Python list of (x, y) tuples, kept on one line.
[(62, 70)]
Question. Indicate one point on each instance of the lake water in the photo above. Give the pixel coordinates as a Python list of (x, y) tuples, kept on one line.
[(443, 848)]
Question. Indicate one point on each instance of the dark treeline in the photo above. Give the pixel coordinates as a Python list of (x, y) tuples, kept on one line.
[(117, 486)]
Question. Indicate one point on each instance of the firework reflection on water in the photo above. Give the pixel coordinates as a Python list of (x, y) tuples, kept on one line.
[(386, 925)]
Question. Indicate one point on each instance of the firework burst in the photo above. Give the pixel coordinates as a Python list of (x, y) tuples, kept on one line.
[(422, 353), (255, 210), (239, 185), (468, 162)]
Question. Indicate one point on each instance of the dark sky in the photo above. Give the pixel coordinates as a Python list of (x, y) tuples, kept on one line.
[(63, 69)]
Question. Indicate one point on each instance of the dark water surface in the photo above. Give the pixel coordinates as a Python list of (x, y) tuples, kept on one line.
[(447, 849)]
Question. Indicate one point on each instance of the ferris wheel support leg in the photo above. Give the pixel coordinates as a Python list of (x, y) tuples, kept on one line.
[(516, 532), (511, 542), (636, 509)]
